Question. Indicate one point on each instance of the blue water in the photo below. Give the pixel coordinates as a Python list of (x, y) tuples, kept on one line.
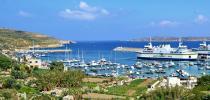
[(94, 50)]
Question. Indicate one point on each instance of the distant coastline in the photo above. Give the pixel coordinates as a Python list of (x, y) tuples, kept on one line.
[(171, 39)]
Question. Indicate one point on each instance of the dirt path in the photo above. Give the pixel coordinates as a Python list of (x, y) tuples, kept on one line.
[(131, 92), (146, 82), (96, 80), (96, 96)]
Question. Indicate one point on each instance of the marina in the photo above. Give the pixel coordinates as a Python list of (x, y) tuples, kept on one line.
[(105, 50), (112, 63)]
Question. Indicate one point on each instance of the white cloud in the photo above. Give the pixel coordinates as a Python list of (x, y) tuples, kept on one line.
[(77, 14), (104, 11), (24, 13), (200, 19), (164, 23), (85, 12)]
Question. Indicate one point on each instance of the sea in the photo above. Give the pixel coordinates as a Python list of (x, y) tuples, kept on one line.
[(95, 50)]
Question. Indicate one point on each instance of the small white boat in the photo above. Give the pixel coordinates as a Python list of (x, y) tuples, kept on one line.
[(132, 67), (165, 65), (191, 64), (207, 67), (200, 68), (138, 65), (159, 66), (171, 64), (182, 72), (93, 63)]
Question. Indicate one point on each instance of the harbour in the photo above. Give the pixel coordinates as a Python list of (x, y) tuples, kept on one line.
[(105, 50), (97, 60)]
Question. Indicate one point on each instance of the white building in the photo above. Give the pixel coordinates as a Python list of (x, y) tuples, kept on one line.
[(68, 97), (173, 81), (33, 62), (188, 83)]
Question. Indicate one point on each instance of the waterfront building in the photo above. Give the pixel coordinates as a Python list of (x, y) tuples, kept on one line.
[(189, 82), (33, 62)]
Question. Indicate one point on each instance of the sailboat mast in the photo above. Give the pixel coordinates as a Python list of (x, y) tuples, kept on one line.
[(66, 53), (82, 57), (33, 47), (78, 55), (180, 42)]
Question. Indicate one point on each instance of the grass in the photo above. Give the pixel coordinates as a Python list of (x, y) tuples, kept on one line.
[(8, 94), (28, 90), (135, 83), (124, 89), (118, 90), (140, 90), (39, 71), (89, 84)]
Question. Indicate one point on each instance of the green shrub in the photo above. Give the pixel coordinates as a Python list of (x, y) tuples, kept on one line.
[(19, 74), (28, 90), (9, 83)]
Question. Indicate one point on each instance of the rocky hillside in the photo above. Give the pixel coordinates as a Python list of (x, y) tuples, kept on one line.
[(15, 39)]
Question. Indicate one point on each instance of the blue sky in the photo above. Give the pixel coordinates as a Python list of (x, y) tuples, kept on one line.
[(107, 19)]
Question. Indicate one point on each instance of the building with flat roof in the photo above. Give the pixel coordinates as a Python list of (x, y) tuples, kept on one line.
[(189, 82)]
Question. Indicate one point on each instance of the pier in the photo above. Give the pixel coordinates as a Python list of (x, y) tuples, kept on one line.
[(127, 49), (44, 51)]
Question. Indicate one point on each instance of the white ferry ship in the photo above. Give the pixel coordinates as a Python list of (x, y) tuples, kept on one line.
[(166, 52), (203, 51)]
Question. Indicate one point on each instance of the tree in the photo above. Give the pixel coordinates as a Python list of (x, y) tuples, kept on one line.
[(55, 78), (19, 74), (72, 78), (9, 83), (5, 62), (204, 80), (168, 93), (201, 90), (57, 66)]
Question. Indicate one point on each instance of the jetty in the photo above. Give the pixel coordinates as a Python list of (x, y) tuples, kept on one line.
[(127, 49), (43, 51)]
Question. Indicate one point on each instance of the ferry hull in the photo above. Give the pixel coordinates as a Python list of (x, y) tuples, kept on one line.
[(166, 59), (173, 57)]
